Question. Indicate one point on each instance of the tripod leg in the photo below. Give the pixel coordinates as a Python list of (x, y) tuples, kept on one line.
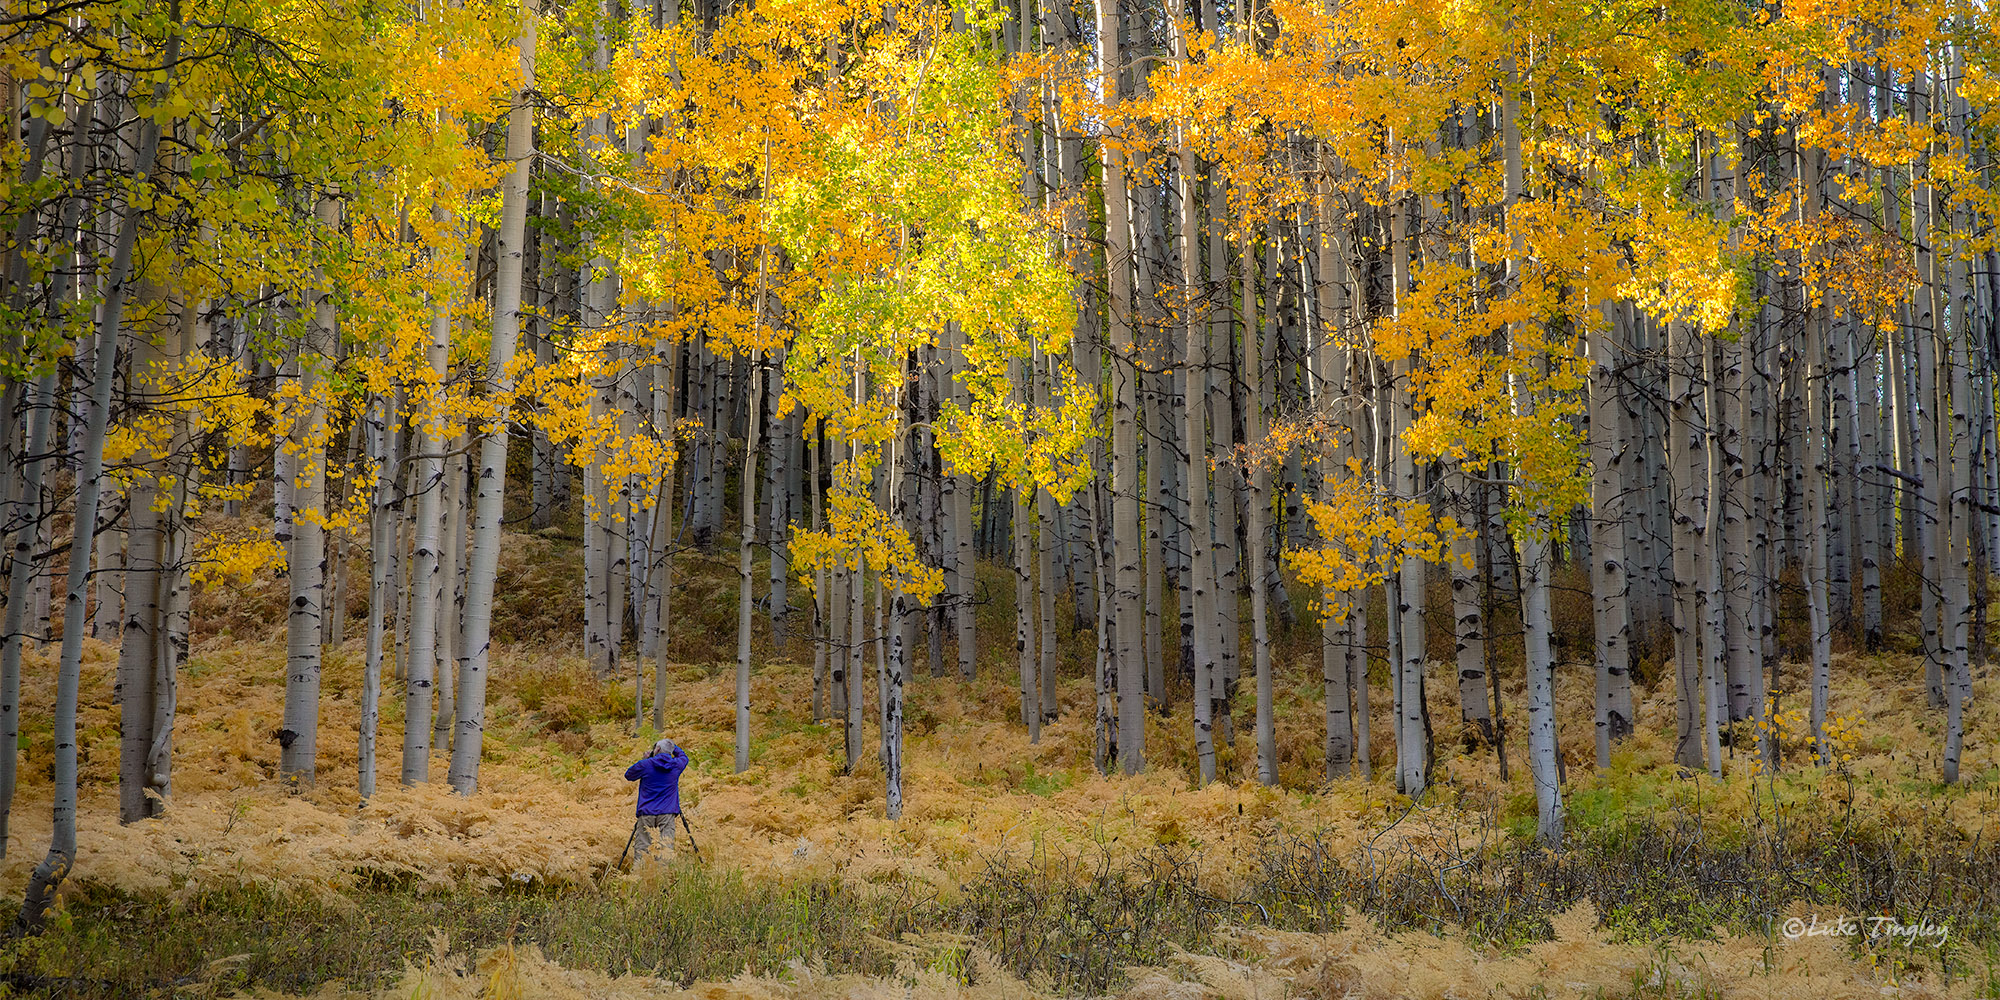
[(690, 833), (629, 838)]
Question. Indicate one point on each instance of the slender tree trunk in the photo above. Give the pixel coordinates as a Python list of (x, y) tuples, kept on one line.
[(664, 536), (306, 556), (107, 617), (1126, 481), (1958, 568), (1927, 513), (381, 547), (857, 593), (1684, 453), (747, 532), (1738, 438), (1412, 744), (1958, 462), (961, 524), (1045, 553), (837, 649), (20, 578), (1815, 463), (1025, 651), (451, 603), (1536, 632), (824, 606), (400, 572), (139, 631), (1257, 505), (427, 558), (892, 716), (1468, 612), (484, 560), (745, 598), (1105, 724), (1155, 514), (55, 866), (777, 499), (1713, 653), (1362, 433), (1608, 444), (1338, 611), (1194, 438), (1869, 486)]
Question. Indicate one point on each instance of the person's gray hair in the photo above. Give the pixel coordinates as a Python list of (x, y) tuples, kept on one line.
[(664, 746)]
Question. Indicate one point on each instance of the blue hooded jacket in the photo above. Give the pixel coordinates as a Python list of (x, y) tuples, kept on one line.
[(659, 778)]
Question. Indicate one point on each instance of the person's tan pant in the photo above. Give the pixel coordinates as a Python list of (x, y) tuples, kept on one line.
[(642, 841)]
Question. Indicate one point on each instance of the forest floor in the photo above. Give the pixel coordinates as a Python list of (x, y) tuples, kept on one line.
[(1016, 870)]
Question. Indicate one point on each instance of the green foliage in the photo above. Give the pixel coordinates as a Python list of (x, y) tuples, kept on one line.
[(689, 923)]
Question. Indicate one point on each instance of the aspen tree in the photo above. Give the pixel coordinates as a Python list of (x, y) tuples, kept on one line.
[(427, 582), (661, 561), (382, 442), (1957, 468), (1258, 507), (451, 590), (48, 875), (1925, 514), (139, 632), (1124, 375), (1026, 653), (1685, 447), (1337, 613), (1813, 570), (1412, 726), (20, 576), (744, 596), (484, 558), (1194, 435), (306, 554), (1607, 539), (960, 496), (748, 489), (1045, 554)]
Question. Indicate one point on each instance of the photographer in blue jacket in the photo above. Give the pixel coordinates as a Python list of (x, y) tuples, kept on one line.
[(659, 778)]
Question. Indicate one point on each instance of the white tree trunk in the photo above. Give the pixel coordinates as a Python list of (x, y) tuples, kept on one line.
[(661, 559), (427, 557), (1257, 506), (1536, 631), (1714, 655), (55, 866), (745, 596), (299, 737), (1412, 749), (488, 510), (1685, 450), (1813, 571), (1025, 651), (1126, 481), (139, 630), (1957, 483), (20, 578), (1608, 444), (107, 616), (382, 441), (1468, 615), (451, 606), (1194, 438)]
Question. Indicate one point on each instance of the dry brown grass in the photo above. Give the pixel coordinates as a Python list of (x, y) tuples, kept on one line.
[(1361, 962), (553, 809), (553, 804)]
